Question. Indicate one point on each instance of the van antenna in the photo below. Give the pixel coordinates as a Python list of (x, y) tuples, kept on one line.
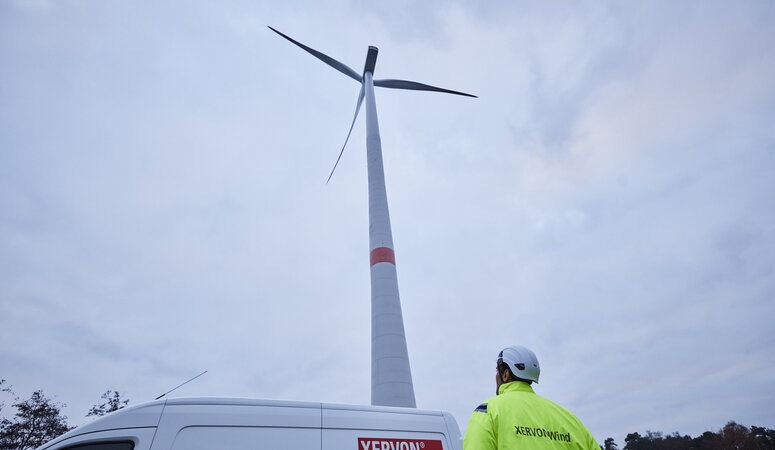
[(186, 382)]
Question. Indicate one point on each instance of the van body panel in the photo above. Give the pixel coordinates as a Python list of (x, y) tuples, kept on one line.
[(239, 415), (399, 419), (246, 438), (213, 423)]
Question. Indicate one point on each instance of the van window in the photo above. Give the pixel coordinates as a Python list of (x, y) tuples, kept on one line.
[(125, 445)]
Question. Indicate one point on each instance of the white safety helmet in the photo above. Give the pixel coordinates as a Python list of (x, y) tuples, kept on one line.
[(522, 362)]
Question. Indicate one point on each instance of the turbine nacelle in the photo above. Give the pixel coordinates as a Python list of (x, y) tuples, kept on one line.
[(371, 61)]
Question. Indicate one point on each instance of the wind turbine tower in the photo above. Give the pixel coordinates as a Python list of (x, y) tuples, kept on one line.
[(391, 377)]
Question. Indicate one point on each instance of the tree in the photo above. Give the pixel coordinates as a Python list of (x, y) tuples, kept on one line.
[(113, 402), (676, 442), (736, 436), (764, 437), (705, 441), (732, 436), (3, 388), (37, 421), (633, 441), (609, 444)]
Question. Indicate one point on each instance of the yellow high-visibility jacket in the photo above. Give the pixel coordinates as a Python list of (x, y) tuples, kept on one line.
[(517, 418)]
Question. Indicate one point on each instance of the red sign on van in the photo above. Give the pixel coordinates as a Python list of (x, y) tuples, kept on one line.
[(398, 444)]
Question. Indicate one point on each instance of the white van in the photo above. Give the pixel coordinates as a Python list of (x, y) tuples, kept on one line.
[(248, 424)]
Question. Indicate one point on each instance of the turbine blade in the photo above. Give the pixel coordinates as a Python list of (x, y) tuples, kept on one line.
[(415, 86), (325, 58), (357, 108)]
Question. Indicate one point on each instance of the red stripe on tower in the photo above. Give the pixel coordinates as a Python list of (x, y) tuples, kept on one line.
[(383, 254)]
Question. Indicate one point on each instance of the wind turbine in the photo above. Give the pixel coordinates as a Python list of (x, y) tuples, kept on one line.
[(391, 377)]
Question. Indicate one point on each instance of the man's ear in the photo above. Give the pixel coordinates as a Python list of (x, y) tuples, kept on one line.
[(505, 376)]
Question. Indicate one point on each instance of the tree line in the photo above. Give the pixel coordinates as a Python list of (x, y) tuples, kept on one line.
[(731, 436), (39, 419)]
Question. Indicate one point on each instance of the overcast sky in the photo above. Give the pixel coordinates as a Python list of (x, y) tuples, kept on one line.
[(607, 201)]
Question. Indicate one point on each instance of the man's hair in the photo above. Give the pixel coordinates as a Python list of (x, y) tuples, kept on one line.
[(503, 367)]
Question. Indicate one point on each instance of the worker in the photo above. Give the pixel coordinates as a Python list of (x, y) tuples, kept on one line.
[(517, 418)]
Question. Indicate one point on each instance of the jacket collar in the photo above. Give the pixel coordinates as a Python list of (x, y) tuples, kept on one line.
[(515, 386)]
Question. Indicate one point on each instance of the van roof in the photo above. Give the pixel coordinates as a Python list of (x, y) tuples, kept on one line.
[(293, 404)]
